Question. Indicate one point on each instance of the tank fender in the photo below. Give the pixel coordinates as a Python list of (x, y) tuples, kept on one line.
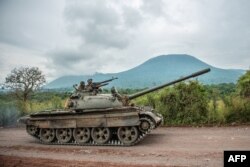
[(157, 119)]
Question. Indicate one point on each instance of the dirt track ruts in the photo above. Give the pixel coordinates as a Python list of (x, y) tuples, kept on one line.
[(180, 146)]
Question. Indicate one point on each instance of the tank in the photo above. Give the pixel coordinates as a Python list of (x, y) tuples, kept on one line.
[(93, 118)]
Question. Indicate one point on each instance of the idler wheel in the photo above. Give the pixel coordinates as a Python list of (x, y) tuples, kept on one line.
[(32, 130), (47, 135), (127, 135), (81, 135), (100, 135), (64, 135), (145, 124)]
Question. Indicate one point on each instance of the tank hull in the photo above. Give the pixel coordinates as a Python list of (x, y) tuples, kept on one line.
[(123, 126)]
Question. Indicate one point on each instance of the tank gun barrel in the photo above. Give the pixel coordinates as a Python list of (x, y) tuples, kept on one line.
[(105, 81), (97, 86), (133, 96)]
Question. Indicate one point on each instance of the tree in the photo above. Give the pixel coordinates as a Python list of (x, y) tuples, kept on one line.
[(24, 81), (244, 85)]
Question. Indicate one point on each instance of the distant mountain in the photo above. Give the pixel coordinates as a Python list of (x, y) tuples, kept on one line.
[(156, 71)]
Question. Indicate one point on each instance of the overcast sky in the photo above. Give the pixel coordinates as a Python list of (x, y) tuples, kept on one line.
[(83, 37)]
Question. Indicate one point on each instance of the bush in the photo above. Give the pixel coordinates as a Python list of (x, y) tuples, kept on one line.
[(8, 114), (186, 103), (244, 85), (238, 110)]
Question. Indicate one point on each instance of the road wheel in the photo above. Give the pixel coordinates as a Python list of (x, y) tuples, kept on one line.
[(100, 135), (32, 130), (47, 135), (81, 135), (127, 135), (64, 135)]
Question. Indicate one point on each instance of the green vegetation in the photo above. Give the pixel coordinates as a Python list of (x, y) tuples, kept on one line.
[(244, 85), (186, 103), (12, 108), (182, 104), (194, 104)]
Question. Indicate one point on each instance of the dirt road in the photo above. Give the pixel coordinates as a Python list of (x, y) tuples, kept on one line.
[(163, 147)]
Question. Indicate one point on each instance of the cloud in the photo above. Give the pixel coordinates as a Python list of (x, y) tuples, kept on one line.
[(66, 58), (153, 8), (30, 24), (14, 57), (97, 23), (132, 16), (103, 30), (83, 37)]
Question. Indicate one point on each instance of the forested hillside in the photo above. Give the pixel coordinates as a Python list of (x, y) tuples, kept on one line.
[(156, 71)]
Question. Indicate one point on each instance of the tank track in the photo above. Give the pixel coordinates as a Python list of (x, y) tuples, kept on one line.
[(111, 142)]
